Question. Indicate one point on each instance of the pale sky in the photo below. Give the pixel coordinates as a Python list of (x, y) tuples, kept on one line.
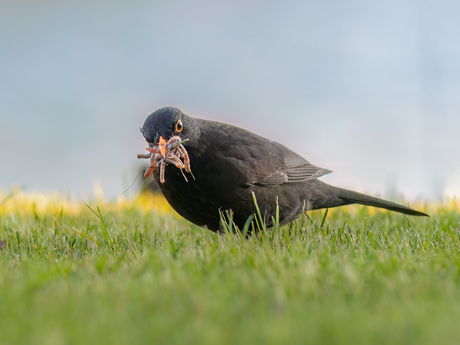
[(366, 89)]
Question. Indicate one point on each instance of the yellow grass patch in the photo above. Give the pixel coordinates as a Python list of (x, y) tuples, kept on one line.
[(18, 202)]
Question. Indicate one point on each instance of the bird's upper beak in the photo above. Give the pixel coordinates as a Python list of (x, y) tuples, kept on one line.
[(162, 144)]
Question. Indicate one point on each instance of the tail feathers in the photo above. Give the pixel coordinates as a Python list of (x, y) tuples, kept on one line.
[(350, 197)]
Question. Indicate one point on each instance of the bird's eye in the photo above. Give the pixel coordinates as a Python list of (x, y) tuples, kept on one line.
[(179, 126)]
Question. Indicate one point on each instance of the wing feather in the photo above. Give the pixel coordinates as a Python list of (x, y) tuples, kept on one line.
[(293, 169)]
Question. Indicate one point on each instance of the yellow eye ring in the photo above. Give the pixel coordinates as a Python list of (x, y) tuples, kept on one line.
[(179, 126)]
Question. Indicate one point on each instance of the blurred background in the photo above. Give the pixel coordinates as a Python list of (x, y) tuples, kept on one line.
[(370, 90)]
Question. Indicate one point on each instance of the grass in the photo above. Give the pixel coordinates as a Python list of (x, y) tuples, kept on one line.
[(133, 272)]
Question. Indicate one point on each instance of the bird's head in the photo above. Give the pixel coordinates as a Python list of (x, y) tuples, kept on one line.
[(166, 123)]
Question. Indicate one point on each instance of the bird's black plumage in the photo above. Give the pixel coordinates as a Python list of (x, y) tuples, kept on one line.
[(229, 163)]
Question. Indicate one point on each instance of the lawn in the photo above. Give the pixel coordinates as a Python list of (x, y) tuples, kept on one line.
[(131, 271)]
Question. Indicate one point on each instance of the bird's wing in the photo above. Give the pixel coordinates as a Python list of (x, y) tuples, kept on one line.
[(291, 169), (255, 160), (299, 170)]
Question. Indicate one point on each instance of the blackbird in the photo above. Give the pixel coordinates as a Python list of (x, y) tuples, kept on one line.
[(229, 163)]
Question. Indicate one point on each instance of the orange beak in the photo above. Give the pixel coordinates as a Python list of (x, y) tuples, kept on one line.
[(162, 143)]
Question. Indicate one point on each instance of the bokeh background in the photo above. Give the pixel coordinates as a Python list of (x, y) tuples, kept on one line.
[(368, 89)]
